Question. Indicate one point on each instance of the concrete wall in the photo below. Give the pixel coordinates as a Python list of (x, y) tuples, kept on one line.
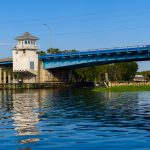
[(58, 75), (22, 59), (7, 75)]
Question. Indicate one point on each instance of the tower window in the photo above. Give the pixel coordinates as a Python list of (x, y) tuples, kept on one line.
[(31, 64), (25, 42)]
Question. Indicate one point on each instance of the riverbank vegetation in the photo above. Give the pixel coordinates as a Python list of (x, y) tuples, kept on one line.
[(115, 72), (122, 89)]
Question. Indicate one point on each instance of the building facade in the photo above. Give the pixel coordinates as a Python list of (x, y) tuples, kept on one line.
[(139, 78), (26, 66)]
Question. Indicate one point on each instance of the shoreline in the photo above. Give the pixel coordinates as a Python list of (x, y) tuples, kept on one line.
[(45, 85), (115, 88), (123, 88), (12, 86)]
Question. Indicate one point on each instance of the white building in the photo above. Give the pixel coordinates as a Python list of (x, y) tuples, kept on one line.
[(139, 78), (27, 67), (25, 57)]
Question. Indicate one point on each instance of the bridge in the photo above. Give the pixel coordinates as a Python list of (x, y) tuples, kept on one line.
[(96, 57), (80, 59)]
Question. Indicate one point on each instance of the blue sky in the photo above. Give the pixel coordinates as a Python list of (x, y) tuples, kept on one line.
[(79, 24)]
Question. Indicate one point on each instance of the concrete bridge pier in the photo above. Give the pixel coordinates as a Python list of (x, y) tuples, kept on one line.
[(53, 75), (4, 76), (13, 78), (69, 75), (60, 75), (7, 75), (0, 75)]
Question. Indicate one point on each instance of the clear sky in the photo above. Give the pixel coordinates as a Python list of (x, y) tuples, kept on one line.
[(79, 24)]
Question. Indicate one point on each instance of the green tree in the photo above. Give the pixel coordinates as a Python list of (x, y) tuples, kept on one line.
[(53, 51), (57, 51), (69, 51), (41, 52), (116, 72), (127, 70)]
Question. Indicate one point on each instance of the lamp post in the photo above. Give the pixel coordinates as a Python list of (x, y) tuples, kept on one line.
[(49, 30), (47, 27)]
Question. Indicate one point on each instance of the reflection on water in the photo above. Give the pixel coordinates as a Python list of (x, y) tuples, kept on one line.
[(24, 114), (74, 119)]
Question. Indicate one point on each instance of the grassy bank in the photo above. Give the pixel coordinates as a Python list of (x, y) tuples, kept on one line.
[(122, 89)]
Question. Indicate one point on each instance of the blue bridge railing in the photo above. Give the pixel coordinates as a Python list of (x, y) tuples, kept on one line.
[(95, 52), (65, 59)]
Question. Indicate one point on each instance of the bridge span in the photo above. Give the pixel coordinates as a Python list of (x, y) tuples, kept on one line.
[(27, 67), (90, 58), (95, 57)]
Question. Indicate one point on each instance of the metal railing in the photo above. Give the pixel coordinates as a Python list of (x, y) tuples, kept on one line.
[(95, 51), (26, 47)]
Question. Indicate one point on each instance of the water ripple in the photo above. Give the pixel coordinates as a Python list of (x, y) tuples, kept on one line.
[(74, 119)]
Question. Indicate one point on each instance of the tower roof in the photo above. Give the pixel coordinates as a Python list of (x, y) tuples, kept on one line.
[(27, 36)]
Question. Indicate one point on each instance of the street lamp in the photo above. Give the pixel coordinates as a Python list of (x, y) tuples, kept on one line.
[(49, 30), (47, 27)]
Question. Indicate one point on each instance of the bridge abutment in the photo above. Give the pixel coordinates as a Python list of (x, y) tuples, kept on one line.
[(53, 75)]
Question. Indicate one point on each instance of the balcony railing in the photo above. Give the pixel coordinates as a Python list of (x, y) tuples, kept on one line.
[(26, 47)]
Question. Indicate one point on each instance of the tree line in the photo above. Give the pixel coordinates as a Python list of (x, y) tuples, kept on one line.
[(114, 72), (55, 51)]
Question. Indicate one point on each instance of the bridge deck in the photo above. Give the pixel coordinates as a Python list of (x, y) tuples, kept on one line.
[(6, 61), (91, 58), (95, 52), (95, 57)]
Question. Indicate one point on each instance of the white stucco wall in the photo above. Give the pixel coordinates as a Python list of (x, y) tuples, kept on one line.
[(21, 60)]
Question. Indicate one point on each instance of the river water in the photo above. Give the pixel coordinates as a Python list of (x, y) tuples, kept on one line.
[(74, 119)]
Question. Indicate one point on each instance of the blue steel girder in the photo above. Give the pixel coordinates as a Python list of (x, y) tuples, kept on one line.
[(86, 61), (6, 63), (92, 58)]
